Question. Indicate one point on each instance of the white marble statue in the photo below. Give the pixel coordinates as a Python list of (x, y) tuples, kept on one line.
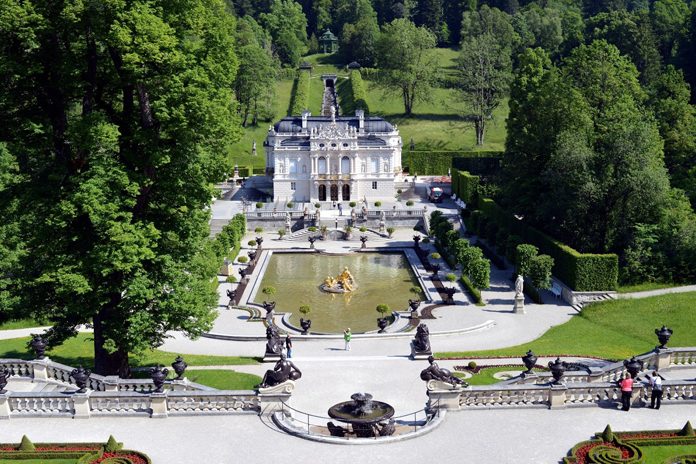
[(519, 285)]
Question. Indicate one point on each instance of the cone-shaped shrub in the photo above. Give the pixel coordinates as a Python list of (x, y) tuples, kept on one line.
[(27, 445), (687, 430), (607, 435)]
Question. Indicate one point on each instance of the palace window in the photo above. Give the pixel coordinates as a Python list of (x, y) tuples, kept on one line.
[(293, 186), (374, 186), (322, 165)]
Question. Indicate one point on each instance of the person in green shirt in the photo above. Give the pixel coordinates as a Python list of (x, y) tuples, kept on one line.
[(346, 337)]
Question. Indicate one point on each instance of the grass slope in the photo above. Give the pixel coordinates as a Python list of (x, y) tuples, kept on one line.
[(612, 330), (79, 350), (223, 379)]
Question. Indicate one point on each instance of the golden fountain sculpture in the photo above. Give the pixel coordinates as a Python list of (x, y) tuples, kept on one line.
[(343, 283)]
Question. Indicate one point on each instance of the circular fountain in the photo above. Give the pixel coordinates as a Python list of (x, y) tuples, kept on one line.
[(364, 415)]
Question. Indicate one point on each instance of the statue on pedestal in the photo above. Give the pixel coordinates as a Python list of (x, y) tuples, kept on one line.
[(283, 371), (435, 372), (273, 343), (421, 342), (519, 286)]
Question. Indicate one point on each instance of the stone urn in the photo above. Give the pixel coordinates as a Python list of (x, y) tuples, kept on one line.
[(5, 373), (306, 324), (81, 377), (158, 375), (259, 241), (435, 269), (363, 239), (416, 241), (382, 323), (242, 273), (311, 241), (413, 304), (450, 294), (663, 336), (179, 366), (633, 366), (529, 361), (269, 306), (558, 368), (252, 256), (39, 345)]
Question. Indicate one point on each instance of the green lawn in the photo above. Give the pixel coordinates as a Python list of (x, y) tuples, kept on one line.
[(646, 286), (660, 454), (485, 376), (611, 330), (20, 324), (223, 379), (79, 350)]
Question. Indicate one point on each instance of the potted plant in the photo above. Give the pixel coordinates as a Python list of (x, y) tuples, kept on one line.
[(290, 204), (352, 204), (259, 205), (409, 203), (258, 230), (324, 232), (242, 259), (251, 243), (312, 228), (306, 324), (382, 322), (281, 233), (317, 205), (390, 231), (378, 204), (450, 277), (348, 231), (435, 255)]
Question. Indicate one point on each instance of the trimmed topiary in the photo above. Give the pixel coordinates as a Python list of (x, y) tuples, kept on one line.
[(435, 255), (251, 243), (259, 205), (409, 203), (608, 435), (231, 279), (112, 445), (472, 365), (687, 430), (26, 444), (258, 230), (317, 205), (242, 259), (352, 204), (290, 204), (451, 277), (378, 204)]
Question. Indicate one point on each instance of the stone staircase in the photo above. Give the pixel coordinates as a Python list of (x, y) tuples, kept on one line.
[(595, 299)]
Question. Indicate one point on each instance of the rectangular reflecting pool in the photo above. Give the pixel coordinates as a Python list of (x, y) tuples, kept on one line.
[(381, 278)]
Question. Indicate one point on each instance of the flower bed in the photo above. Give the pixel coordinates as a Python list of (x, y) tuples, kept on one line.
[(634, 447), (82, 453)]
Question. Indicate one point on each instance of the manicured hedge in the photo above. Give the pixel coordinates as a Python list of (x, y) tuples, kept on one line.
[(245, 171), (357, 86), (465, 185), (582, 272), (440, 162), (229, 238), (300, 94), (471, 290)]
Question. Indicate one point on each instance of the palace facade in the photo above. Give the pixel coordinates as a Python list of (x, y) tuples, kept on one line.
[(329, 158)]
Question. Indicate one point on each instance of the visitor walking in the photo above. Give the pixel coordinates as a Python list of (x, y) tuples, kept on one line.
[(656, 395), (340, 209), (288, 345), (346, 337), (626, 390)]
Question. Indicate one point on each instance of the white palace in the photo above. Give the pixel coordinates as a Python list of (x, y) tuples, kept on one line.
[(329, 158)]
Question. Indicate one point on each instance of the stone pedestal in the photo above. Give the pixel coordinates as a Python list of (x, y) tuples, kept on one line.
[(158, 405), (81, 406), (4, 405), (111, 383), (271, 399), (519, 305), (418, 355), (443, 395), (271, 357), (40, 369), (663, 359), (382, 228), (557, 396)]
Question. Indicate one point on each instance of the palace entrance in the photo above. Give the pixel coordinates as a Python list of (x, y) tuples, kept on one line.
[(322, 192), (345, 192), (334, 192)]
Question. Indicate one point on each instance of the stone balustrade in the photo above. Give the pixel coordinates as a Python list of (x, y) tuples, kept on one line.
[(109, 396), (554, 396)]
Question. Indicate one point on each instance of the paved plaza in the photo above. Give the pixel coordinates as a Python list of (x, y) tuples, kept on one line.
[(380, 366)]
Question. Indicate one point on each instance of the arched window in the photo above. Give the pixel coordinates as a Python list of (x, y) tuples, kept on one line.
[(345, 165), (304, 169), (293, 167), (322, 165), (363, 167), (374, 164), (386, 167)]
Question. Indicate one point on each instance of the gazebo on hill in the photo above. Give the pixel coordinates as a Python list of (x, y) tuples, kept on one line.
[(328, 43)]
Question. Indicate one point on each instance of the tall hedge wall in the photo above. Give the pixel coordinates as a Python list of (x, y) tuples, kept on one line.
[(583, 272), (439, 162), (357, 86), (465, 185), (300, 94)]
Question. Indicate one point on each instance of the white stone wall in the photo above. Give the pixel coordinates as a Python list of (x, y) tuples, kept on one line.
[(384, 192)]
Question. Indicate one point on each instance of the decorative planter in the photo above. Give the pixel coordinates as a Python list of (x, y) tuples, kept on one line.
[(306, 324), (529, 361), (633, 366), (5, 373), (558, 368), (158, 375), (311, 241), (38, 344), (179, 366), (416, 240), (413, 304), (363, 239), (382, 323), (81, 377), (663, 336), (259, 241)]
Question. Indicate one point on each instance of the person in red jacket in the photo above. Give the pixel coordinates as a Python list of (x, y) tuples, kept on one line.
[(626, 385)]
